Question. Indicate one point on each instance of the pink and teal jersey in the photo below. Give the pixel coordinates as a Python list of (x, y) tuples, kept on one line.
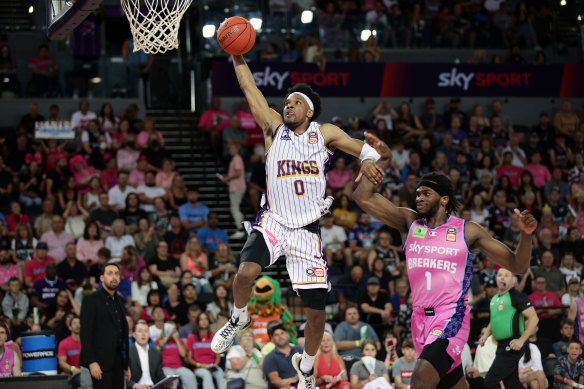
[(440, 271), (6, 362)]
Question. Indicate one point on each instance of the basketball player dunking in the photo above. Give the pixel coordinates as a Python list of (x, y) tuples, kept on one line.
[(298, 155), (437, 247)]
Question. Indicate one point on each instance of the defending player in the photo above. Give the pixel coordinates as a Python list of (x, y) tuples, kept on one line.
[(437, 247), (298, 154)]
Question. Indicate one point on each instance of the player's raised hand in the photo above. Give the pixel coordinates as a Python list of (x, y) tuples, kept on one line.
[(378, 145), (369, 168), (527, 222)]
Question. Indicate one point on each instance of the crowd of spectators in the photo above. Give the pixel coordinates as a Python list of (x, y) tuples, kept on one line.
[(112, 193)]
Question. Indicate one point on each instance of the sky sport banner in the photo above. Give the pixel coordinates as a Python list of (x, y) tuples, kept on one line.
[(402, 79)]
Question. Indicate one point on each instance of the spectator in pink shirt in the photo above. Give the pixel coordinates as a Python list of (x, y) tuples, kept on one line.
[(89, 244), (165, 176), (213, 121), (8, 270), (144, 135), (136, 177), (236, 180), (540, 173), (338, 177), (57, 238), (35, 268), (507, 169)]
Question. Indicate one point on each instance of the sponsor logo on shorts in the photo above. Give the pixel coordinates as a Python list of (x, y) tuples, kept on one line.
[(315, 272), (312, 138), (420, 232), (436, 332)]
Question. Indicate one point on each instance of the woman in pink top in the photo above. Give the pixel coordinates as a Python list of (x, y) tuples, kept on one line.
[(195, 260), (338, 177), (131, 263), (89, 244), (166, 175), (200, 355), (82, 172), (122, 133), (127, 155), (329, 366), (144, 135)]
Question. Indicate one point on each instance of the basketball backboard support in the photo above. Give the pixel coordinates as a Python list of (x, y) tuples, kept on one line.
[(64, 15)]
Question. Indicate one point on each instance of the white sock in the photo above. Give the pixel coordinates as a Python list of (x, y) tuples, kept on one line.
[(239, 313), (307, 362)]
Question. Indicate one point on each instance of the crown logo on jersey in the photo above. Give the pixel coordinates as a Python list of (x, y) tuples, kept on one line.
[(312, 138)]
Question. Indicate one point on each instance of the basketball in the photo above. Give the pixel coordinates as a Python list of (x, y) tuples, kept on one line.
[(236, 35)]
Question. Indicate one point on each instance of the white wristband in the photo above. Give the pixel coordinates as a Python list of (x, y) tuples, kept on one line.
[(368, 152)]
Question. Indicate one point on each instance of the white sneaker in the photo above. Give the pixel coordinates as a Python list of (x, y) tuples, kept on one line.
[(237, 235), (223, 339), (305, 381)]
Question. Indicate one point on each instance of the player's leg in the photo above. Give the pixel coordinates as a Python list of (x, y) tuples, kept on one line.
[(454, 379), (255, 255), (433, 363)]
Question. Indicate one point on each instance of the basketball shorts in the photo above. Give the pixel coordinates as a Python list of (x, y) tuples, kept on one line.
[(305, 261), (443, 324)]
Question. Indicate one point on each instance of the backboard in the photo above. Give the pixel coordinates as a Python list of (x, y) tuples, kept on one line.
[(64, 15)]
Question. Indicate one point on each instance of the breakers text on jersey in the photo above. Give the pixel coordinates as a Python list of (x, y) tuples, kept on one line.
[(432, 263), (291, 168)]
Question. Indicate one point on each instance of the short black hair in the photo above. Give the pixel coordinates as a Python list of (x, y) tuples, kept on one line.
[(109, 264), (444, 182), (312, 95)]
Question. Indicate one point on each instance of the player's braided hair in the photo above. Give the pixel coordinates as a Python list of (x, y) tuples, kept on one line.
[(312, 95), (446, 190)]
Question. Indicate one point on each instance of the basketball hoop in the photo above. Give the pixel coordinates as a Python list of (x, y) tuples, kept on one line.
[(155, 23)]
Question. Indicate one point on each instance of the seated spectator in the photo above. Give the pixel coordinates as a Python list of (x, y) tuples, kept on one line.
[(220, 302), (160, 218), (117, 194), (118, 239), (71, 270), (531, 369), (130, 264), (187, 329), (147, 130), (62, 303), (146, 239), (244, 361), (567, 332), (374, 305), (127, 155), (174, 352), (211, 235), (67, 192), (574, 292), (153, 299), (23, 244), (104, 216), (362, 374), (570, 268), (400, 300), (179, 307), (89, 244), (44, 290), (57, 238), (338, 177), (402, 368), (15, 217), (176, 237), (195, 260), (349, 288), (45, 73), (8, 71), (200, 355), (362, 239), (75, 218), (343, 214), (222, 266), (566, 122), (329, 368), (149, 191), (177, 193), (132, 212), (141, 355), (11, 364), (334, 243), (69, 352), (155, 153), (163, 267), (569, 368), (548, 308), (141, 286), (193, 215), (553, 276), (277, 366), (351, 333), (166, 175), (387, 252), (15, 302), (8, 270), (499, 214), (108, 178), (34, 269), (96, 269)]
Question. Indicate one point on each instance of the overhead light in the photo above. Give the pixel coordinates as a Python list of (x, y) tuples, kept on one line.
[(95, 80), (306, 17), (563, 3), (579, 18), (256, 23), (374, 32), (208, 30), (30, 9), (365, 34), (6, 80)]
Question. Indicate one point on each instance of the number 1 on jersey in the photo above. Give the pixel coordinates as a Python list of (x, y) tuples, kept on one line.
[(428, 280)]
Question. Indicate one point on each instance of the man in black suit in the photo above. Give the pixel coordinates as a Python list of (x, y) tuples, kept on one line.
[(142, 356), (104, 333)]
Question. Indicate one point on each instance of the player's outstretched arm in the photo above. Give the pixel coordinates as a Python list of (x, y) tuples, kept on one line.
[(375, 204), (518, 261), (267, 118)]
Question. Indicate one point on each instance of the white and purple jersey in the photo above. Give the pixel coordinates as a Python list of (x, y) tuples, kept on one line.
[(296, 167)]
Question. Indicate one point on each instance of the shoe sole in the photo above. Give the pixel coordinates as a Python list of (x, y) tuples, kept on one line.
[(220, 350)]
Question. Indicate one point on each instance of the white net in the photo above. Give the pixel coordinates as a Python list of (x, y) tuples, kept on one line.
[(155, 23)]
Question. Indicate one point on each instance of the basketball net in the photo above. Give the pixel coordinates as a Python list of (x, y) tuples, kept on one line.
[(155, 23)]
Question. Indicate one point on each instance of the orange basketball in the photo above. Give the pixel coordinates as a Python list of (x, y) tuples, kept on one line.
[(236, 35)]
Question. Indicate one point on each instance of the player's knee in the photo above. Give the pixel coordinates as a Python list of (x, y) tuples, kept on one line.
[(248, 272)]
